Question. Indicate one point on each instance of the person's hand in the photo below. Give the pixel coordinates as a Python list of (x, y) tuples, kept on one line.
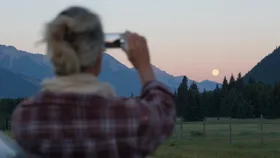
[(138, 54), (137, 50)]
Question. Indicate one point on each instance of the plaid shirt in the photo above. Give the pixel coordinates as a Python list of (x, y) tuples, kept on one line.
[(68, 125)]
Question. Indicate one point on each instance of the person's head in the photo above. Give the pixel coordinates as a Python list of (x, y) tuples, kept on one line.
[(75, 41)]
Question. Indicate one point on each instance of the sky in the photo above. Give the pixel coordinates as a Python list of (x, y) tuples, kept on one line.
[(185, 37)]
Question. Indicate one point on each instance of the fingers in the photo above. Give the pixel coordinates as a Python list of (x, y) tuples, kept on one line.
[(136, 48), (131, 41), (136, 45), (135, 41)]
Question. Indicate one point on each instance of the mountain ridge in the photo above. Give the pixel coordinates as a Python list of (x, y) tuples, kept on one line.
[(266, 70), (18, 85), (36, 67)]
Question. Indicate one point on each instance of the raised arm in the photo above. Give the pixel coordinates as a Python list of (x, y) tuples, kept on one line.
[(156, 106), (157, 116)]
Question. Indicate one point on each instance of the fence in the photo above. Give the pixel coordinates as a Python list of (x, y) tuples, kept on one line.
[(224, 129), (230, 130)]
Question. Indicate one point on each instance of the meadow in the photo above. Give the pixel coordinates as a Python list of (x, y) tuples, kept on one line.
[(214, 140)]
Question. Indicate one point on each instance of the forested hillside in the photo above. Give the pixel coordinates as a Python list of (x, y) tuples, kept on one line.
[(235, 99), (267, 70)]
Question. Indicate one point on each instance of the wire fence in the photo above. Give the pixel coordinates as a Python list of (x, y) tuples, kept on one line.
[(230, 130), (225, 129)]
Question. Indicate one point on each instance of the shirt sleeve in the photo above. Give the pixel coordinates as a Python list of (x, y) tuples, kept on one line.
[(156, 111)]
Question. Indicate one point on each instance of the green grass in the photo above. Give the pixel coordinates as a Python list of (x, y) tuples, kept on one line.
[(246, 140)]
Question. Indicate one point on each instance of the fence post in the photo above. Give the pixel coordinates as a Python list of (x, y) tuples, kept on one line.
[(175, 130), (230, 133), (181, 127), (261, 125), (204, 126)]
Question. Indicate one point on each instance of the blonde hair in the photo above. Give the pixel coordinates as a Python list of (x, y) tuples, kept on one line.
[(74, 40)]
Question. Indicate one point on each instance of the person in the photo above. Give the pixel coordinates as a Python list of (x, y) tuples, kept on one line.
[(76, 115)]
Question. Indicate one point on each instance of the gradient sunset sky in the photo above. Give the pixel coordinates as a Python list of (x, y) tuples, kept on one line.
[(186, 37)]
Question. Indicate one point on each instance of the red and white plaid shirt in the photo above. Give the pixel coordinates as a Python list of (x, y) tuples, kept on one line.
[(67, 125)]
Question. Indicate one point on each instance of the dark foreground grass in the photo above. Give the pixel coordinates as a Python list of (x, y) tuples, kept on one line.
[(246, 140)]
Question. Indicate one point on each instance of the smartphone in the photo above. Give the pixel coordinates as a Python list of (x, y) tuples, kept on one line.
[(114, 40)]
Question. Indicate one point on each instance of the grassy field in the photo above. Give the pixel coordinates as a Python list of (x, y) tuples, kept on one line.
[(246, 140)]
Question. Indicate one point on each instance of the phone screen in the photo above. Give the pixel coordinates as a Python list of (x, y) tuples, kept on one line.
[(113, 40)]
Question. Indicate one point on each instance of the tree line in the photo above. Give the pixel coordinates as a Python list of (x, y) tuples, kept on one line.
[(7, 107), (233, 99)]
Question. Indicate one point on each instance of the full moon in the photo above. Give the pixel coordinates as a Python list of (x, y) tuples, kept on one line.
[(215, 72)]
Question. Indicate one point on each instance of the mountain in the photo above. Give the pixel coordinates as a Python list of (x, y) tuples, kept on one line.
[(36, 67), (174, 81), (267, 70), (124, 79), (207, 85), (14, 85), (32, 65)]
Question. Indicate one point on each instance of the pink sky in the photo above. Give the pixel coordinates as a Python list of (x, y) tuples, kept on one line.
[(189, 37)]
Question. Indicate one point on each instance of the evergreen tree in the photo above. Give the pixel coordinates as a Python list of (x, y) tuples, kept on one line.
[(273, 110), (234, 99), (181, 99), (193, 109), (204, 103), (225, 83), (7, 107), (217, 87), (231, 82), (239, 82), (217, 95), (193, 87), (251, 80)]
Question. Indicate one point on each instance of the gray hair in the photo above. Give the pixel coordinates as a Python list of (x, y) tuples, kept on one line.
[(74, 40)]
